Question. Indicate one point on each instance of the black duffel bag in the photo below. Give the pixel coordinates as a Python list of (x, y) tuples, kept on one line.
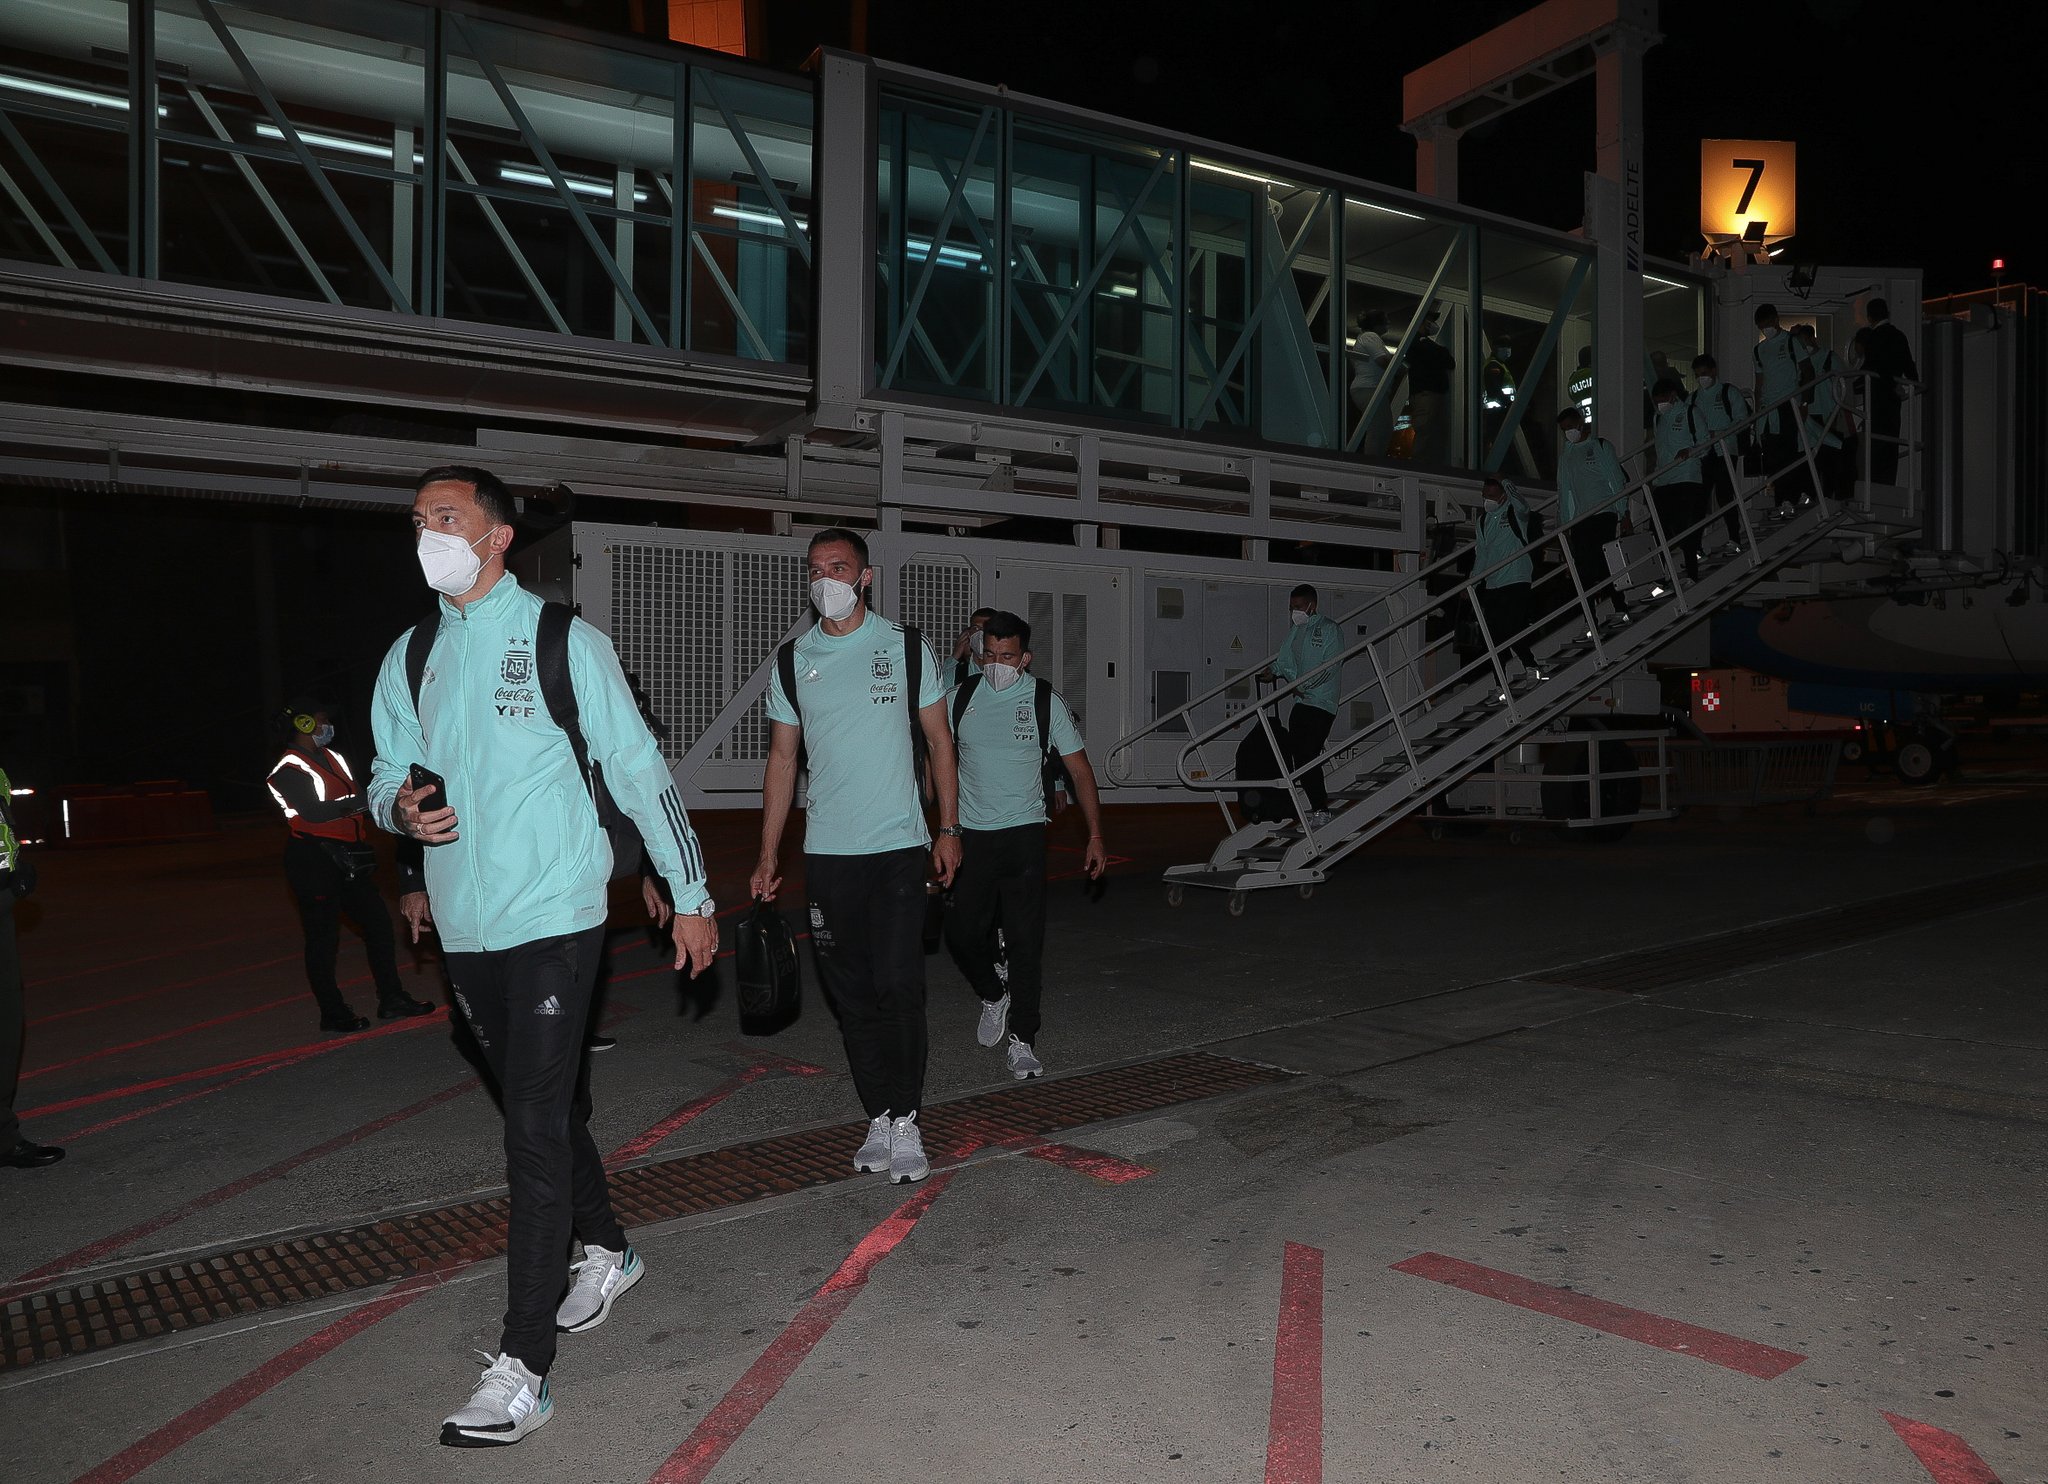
[(766, 976)]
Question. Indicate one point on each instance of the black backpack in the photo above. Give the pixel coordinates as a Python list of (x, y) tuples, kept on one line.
[(913, 672), (767, 977), (1052, 768), (558, 692)]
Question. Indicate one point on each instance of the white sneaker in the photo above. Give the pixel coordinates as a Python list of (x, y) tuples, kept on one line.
[(1024, 1065), (907, 1164), (508, 1403), (1785, 511), (874, 1154), (995, 1019), (600, 1278), (1733, 548), (1317, 818)]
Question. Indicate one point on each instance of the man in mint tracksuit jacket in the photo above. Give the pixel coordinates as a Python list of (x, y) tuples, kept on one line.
[(1590, 483), (1506, 569), (1310, 640), (516, 871)]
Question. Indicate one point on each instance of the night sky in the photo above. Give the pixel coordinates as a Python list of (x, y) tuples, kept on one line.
[(1915, 144)]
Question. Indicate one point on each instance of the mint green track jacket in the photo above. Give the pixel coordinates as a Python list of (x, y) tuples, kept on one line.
[(530, 860)]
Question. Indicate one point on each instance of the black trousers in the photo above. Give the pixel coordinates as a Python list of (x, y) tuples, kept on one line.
[(12, 1021), (325, 891), (1680, 507), (1308, 729), (1884, 425), (1506, 610), (867, 935), (1784, 462), (1002, 885), (1721, 491), (1586, 545), (527, 1008)]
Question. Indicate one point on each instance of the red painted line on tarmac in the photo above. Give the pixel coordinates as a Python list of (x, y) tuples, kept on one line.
[(1294, 1433), (237, 1394), (775, 1061), (1736, 1354), (1098, 1166), (106, 1246), (129, 999), (655, 1132), (1946, 1457), (184, 1030), (191, 1097), (290, 1054), (129, 963), (707, 1443)]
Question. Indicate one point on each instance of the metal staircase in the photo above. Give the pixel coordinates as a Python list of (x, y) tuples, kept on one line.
[(1445, 715)]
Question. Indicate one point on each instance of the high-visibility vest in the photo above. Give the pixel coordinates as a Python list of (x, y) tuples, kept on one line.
[(332, 779)]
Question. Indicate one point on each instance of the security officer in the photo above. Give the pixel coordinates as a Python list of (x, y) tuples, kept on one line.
[(1579, 390), (1430, 368), (17, 878), (1590, 483), (1001, 881), (329, 863)]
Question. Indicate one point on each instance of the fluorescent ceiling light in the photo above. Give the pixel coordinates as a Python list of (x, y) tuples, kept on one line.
[(752, 217), (1413, 216), (1215, 169), (576, 183), (68, 95), (339, 144)]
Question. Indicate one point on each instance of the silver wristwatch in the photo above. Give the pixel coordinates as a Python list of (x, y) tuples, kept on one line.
[(707, 908)]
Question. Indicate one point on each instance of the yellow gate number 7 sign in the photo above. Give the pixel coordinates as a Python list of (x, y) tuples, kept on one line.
[(1747, 181)]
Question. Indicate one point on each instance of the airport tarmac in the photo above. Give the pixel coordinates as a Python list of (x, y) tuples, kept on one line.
[(1716, 1154)]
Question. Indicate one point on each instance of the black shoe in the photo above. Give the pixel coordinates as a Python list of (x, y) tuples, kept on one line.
[(601, 1043), (346, 1023), (27, 1156), (402, 1004)]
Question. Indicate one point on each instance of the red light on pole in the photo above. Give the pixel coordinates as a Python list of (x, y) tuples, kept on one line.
[(1998, 265)]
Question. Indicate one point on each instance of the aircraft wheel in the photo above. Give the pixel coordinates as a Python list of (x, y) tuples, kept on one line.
[(1918, 764), (1236, 904), (1176, 894), (1306, 890)]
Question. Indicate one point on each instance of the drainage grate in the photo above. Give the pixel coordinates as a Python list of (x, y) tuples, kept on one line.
[(129, 1307), (1839, 927)]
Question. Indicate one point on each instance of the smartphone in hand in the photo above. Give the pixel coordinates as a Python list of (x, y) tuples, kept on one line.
[(426, 781)]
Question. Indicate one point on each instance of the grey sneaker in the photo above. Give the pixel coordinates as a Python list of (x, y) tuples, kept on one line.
[(995, 1019), (600, 1278), (1023, 1063), (509, 1402), (907, 1164), (1317, 819), (874, 1154)]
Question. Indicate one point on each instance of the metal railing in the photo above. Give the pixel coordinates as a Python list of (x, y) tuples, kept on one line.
[(1393, 650)]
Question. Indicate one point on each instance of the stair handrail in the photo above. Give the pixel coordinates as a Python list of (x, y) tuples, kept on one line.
[(1491, 652), (1166, 718)]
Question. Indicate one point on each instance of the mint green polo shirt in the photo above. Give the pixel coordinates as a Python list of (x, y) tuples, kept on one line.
[(856, 725), (1000, 784)]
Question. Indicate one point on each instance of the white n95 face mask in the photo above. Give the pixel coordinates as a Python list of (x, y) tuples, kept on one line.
[(1704, 380), (324, 735), (833, 599), (1574, 435), (450, 563), (1297, 617), (977, 641), (1001, 676)]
